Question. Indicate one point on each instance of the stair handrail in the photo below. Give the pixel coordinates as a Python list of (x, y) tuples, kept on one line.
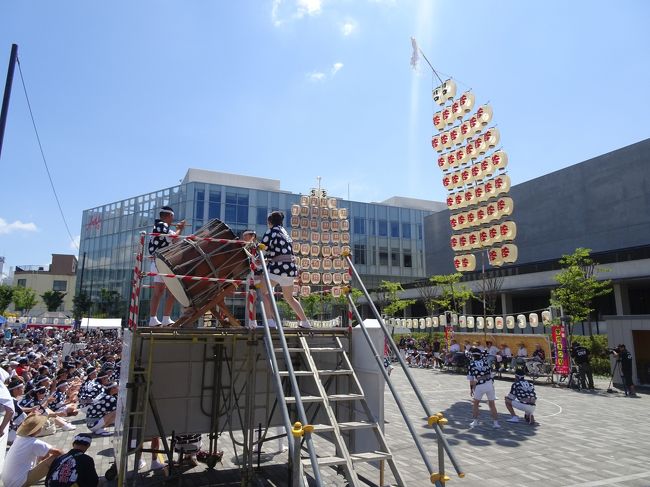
[(432, 419), (302, 416)]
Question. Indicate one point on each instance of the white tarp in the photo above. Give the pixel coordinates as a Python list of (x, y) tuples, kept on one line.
[(101, 323)]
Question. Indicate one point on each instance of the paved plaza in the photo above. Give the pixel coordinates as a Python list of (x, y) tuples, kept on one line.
[(585, 439)]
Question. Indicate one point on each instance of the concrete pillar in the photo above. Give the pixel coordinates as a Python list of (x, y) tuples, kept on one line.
[(506, 303), (621, 299)]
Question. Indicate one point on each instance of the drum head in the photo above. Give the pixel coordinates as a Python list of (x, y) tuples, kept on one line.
[(173, 284)]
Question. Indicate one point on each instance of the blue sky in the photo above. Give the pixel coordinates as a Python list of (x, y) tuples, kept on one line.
[(127, 95)]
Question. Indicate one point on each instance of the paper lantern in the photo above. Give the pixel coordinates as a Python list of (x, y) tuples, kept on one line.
[(476, 171), (456, 111), (315, 278), (468, 197), (458, 199), (470, 152), (502, 184), (345, 237), (491, 211), (454, 319), (295, 210), (295, 234), (448, 89), (465, 176), (505, 206), (508, 253), (474, 126), (455, 136), (435, 321), (304, 234), (437, 96), (462, 321), (305, 277), (480, 146), (304, 263), (343, 213), (507, 231), (315, 264), (443, 163), (315, 237), (304, 200), (521, 321), (55, 321), (489, 189), (337, 278), (409, 323), (295, 221), (68, 321), (453, 222), (438, 122), (479, 193), (450, 203), (533, 320), (461, 156), (447, 115), (305, 291), (334, 213), (510, 322), (465, 130), (474, 240), (484, 114), (326, 250), (327, 278), (315, 212), (461, 221), (421, 323), (454, 242), (43, 320), (315, 250), (499, 160), (427, 322), (546, 317), (471, 218), (470, 322), (489, 323), (491, 137), (443, 320), (494, 256), (346, 276), (465, 262), (480, 323), (466, 101), (445, 140), (498, 322)]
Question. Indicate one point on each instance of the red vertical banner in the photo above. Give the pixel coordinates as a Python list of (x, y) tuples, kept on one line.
[(558, 335), (449, 335)]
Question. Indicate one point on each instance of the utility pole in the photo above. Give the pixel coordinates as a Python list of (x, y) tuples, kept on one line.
[(5, 100)]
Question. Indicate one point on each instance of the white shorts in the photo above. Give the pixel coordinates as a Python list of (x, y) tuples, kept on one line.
[(487, 388), (153, 268), (527, 408), (283, 281)]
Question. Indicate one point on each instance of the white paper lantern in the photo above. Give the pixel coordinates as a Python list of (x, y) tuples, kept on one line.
[(466, 101), (44, 320), (489, 322), (454, 319), (462, 321), (443, 320), (409, 323), (533, 320), (508, 253), (427, 323), (435, 322), (480, 323), (521, 321), (470, 322), (55, 321), (546, 317), (484, 114), (498, 322), (510, 322)]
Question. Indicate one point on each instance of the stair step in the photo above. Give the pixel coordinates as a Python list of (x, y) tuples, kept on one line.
[(285, 373), (349, 426), (313, 350), (292, 399), (344, 397), (291, 349), (335, 372), (371, 456), (325, 372)]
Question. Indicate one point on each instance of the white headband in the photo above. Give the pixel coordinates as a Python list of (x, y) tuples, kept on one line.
[(167, 211)]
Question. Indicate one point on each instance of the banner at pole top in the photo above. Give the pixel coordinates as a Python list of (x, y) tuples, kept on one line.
[(559, 339)]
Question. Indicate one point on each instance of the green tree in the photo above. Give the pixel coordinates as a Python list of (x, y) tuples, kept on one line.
[(52, 299), (81, 305), (109, 301), (313, 305), (578, 285), (6, 296), (453, 295), (395, 304), (24, 299)]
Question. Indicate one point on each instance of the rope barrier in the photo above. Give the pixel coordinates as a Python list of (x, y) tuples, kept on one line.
[(182, 277)]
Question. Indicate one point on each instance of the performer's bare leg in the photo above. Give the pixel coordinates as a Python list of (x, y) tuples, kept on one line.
[(156, 296), (169, 303), (287, 293)]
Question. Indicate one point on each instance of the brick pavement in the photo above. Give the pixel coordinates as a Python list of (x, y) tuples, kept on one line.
[(585, 439)]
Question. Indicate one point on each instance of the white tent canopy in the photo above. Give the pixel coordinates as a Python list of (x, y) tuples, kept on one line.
[(101, 323)]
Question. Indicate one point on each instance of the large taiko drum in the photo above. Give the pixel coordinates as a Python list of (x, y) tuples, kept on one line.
[(220, 258)]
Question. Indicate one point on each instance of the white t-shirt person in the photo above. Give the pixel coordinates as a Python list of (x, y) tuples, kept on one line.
[(21, 458)]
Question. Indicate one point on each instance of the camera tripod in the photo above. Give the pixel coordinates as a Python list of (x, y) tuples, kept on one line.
[(611, 380)]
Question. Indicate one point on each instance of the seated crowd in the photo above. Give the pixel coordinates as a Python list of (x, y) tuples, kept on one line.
[(41, 389)]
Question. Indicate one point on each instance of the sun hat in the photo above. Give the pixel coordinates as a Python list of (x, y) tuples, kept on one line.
[(32, 425)]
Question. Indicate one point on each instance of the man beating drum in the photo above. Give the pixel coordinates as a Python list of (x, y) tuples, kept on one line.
[(157, 243)]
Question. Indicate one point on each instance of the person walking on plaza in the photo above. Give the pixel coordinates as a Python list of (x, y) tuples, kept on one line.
[(523, 397), (282, 267), (75, 468), (156, 243), (22, 467), (481, 384), (581, 357), (625, 359)]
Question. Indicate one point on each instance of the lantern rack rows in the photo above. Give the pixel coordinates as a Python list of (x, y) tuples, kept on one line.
[(461, 321)]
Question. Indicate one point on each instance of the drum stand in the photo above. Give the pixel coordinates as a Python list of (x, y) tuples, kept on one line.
[(193, 314)]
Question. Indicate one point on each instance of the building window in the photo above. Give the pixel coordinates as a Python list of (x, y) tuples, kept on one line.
[(237, 208), (408, 260), (60, 286), (394, 258), (419, 231), (383, 228), (359, 254), (22, 283), (214, 205), (262, 216), (383, 256), (394, 229), (199, 204), (371, 226), (373, 255), (359, 225), (406, 230)]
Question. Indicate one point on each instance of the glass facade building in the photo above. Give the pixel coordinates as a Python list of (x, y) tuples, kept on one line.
[(387, 238)]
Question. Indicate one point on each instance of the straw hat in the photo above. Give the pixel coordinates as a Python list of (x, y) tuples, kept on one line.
[(31, 426)]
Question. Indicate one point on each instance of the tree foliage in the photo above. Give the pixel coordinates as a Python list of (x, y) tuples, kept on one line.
[(6, 296), (452, 295), (577, 285), (53, 299), (490, 288), (24, 298), (394, 304), (428, 294), (81, 306), (109, 302)]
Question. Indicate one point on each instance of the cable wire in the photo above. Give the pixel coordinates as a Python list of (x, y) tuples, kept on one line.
[(40, 146)]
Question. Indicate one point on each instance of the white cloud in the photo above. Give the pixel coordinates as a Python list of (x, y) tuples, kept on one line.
[(17, 226), (336, 68), (283, 11), (316, 76), (348, 27), (320, 76)]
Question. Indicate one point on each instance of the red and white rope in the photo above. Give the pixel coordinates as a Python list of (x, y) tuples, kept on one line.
[(134, 306), (237, 282)]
